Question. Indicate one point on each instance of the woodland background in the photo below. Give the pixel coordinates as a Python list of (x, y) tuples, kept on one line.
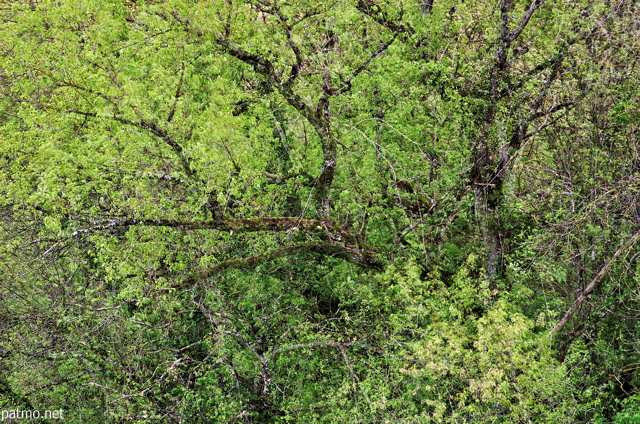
[(347, 211)]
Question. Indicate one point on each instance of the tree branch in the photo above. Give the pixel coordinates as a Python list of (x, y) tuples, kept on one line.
[(295, 68), (324, 229), (177, 95), (363, 258), (512, 36), (533, 113), (346, 84), (592, 285), (277, 179), (375, 12), (143, 124), (260, 65), (320, 343)]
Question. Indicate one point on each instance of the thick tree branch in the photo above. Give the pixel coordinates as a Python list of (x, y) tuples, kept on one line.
[(512, 36), (261, 65)]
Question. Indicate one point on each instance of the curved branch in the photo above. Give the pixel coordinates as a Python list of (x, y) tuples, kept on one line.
[(295, 69), (143, 124), (363, 258), (260, 64)]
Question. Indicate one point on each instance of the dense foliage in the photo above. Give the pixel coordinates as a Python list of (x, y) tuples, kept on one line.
[(357, 211)]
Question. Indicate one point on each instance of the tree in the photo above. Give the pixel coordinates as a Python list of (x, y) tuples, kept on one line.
[(317, 212)]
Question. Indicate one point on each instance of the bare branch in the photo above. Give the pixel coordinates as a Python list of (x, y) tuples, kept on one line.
[(592, 285)]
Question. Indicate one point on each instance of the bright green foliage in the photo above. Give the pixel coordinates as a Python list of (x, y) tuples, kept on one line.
[(320, 212)]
